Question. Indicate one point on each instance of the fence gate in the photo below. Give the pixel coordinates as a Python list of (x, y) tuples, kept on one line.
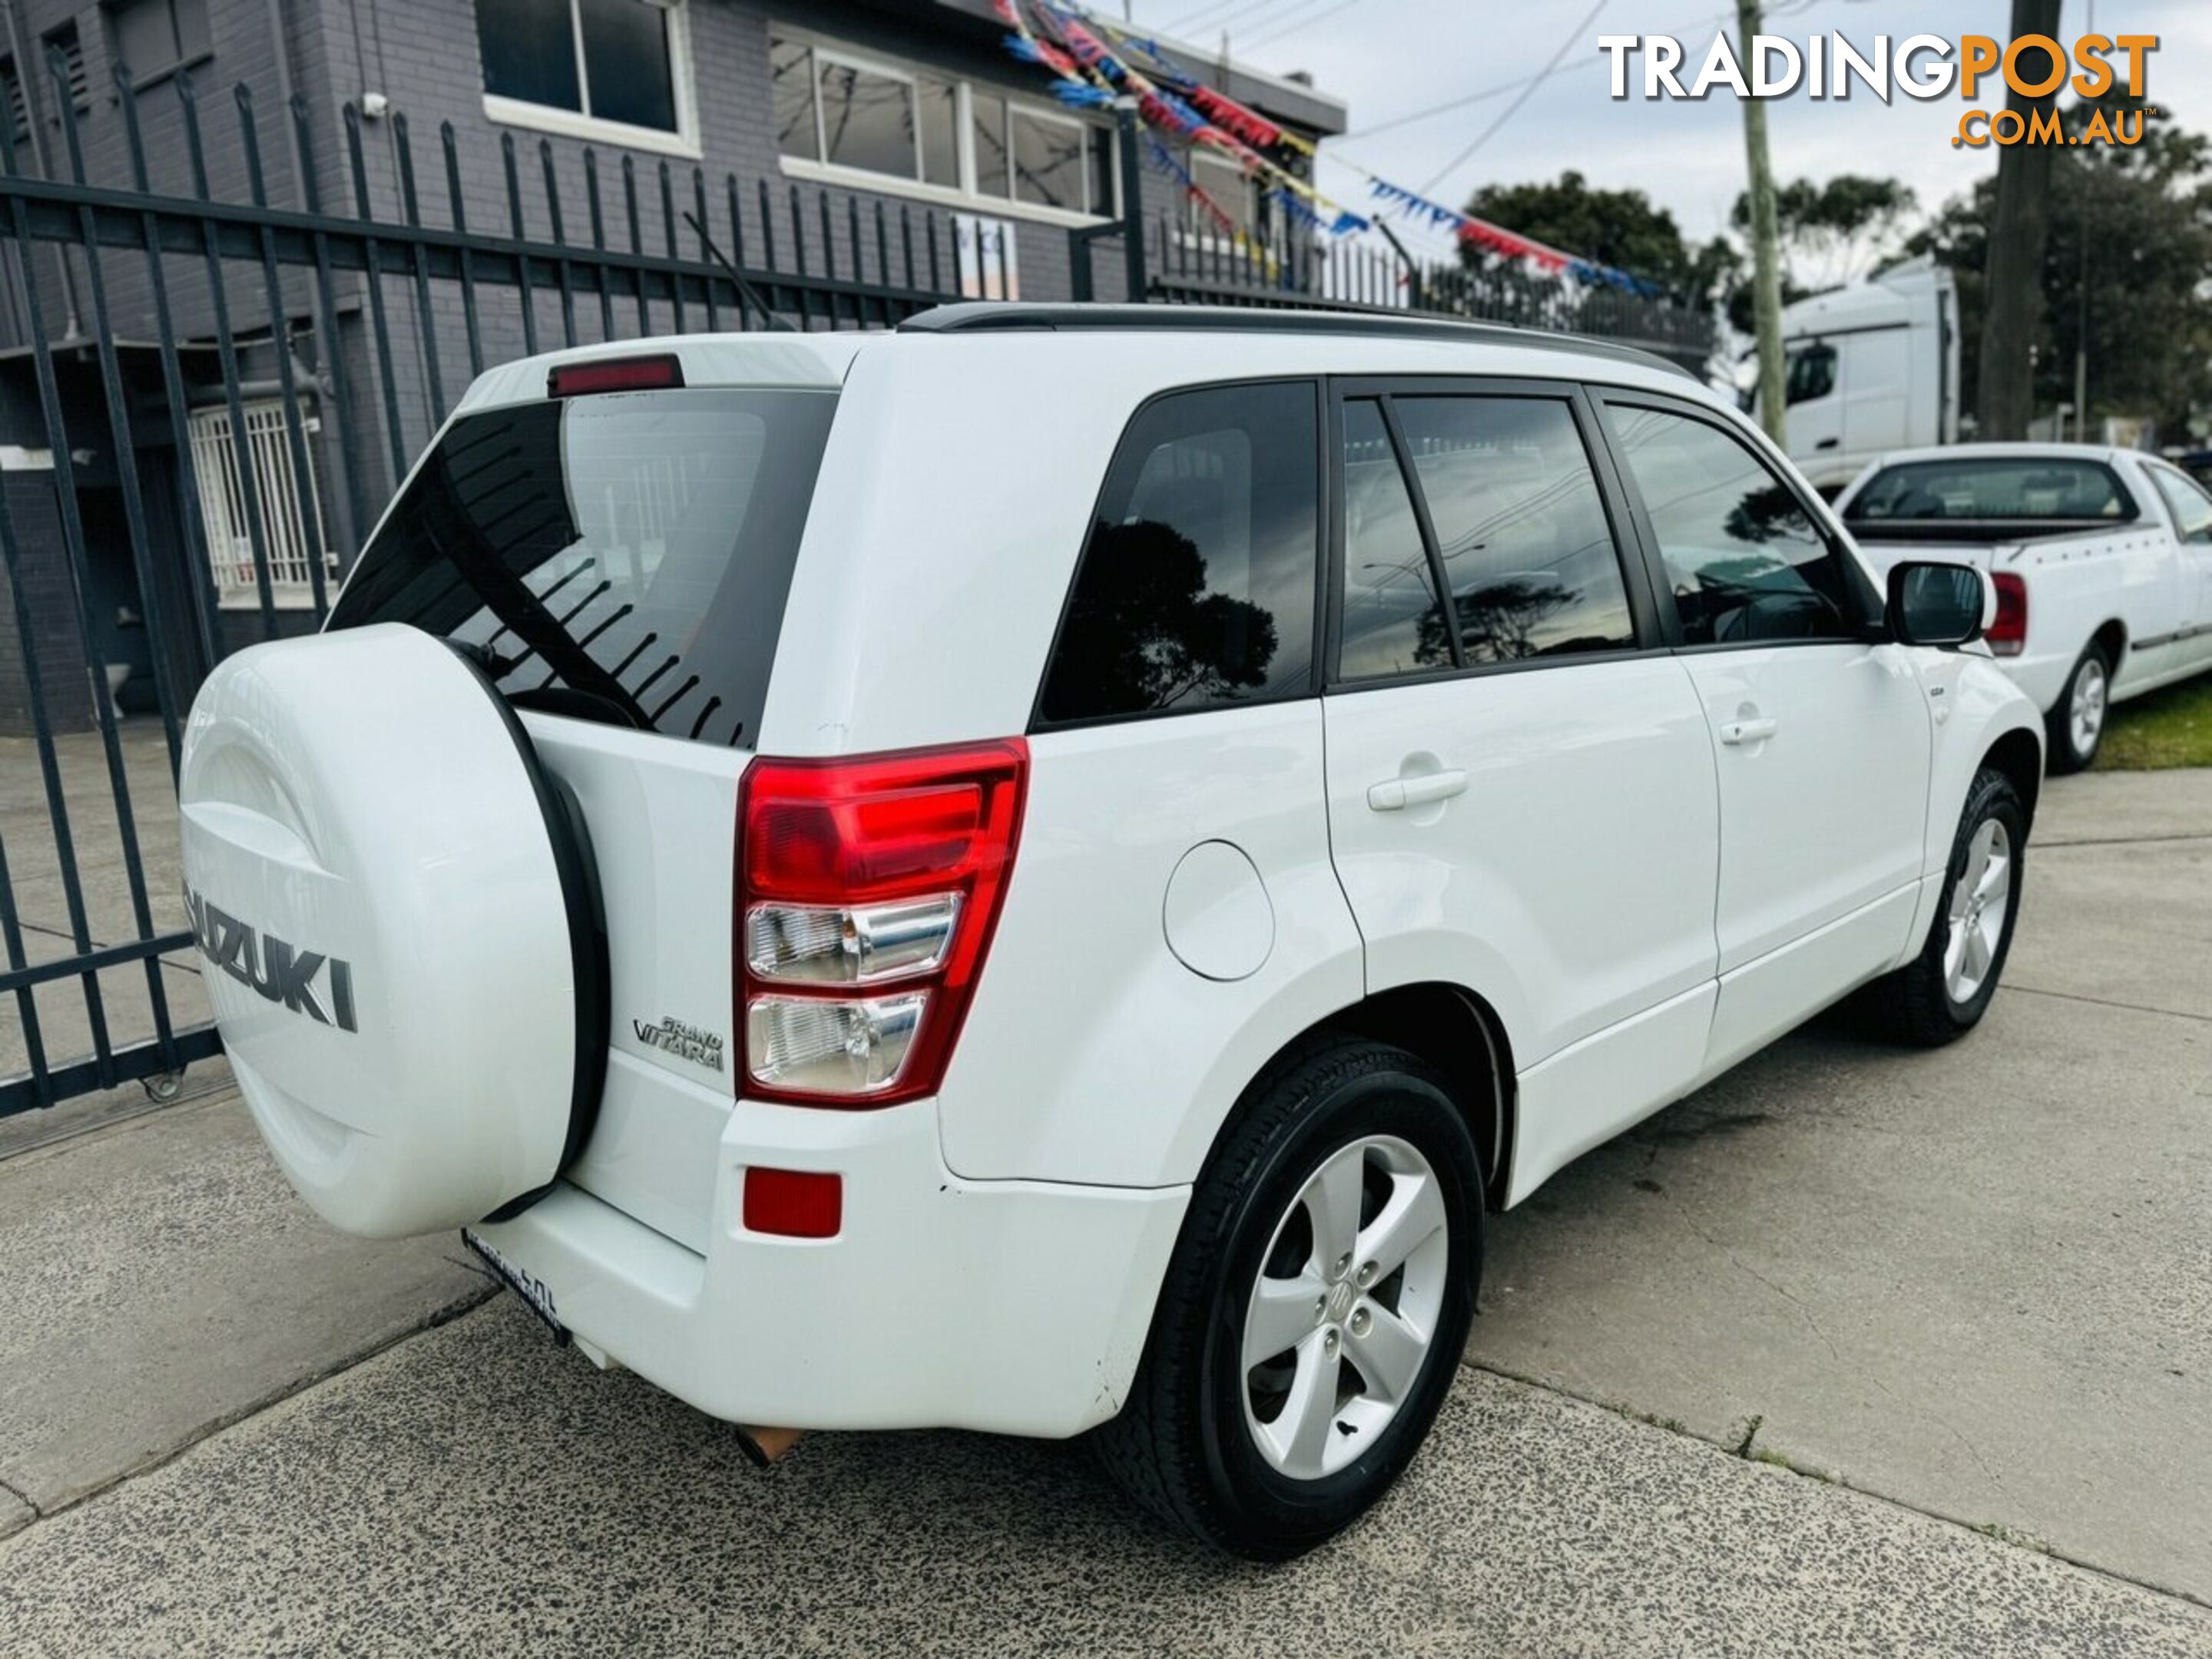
[(206, 398)]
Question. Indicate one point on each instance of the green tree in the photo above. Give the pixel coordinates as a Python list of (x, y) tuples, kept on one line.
[(1623, 229), (1830, 233), (2143, 214)]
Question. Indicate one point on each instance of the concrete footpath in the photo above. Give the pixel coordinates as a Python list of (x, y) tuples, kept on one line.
[(1856, 1352)]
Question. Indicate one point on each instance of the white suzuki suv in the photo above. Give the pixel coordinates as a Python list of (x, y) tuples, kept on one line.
[(1038, 871)]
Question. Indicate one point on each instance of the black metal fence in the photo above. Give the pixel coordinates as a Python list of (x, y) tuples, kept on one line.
[(1189, 267), (211, 379), (207, 398)]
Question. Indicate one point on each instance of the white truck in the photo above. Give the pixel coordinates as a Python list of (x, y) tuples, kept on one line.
[(2102, 560), (1869, 368)]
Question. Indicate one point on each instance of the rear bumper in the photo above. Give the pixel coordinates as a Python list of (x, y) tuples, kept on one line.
[(1018, 1307)]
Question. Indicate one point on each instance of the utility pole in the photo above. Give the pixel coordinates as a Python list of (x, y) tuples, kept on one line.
[(1766, 257), (2013, 314)]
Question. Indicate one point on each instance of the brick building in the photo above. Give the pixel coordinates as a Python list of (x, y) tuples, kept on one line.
[(630, 107)]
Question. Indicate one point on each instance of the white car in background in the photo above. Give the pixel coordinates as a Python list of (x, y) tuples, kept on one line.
[(2102, 559), (1040, 872)]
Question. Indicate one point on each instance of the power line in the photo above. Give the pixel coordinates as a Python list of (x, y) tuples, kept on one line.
[(1504, 87), (1526, 92), (1284, 34)]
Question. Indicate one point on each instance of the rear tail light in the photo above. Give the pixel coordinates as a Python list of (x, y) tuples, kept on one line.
[(2008, 634), (868, 891)]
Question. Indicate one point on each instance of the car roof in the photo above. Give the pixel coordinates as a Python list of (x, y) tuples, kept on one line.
[(977, 317), (1180, 344)]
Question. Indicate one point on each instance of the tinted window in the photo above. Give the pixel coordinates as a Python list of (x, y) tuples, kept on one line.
[(2186, 499), (529, 52), (1392, 623), (1811, 373), (623, 556), (626, 55), (1527, 550), (1743, 558), (1993, 487), (1196, 587)]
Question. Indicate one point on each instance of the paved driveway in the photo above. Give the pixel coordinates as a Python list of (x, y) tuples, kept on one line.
[(1967, 1291)]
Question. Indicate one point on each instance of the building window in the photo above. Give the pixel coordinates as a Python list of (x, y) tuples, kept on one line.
[(63, 40), (18, 108), (1244, 199), (613, 68), (291, 516), (154, 37), (863, 115)]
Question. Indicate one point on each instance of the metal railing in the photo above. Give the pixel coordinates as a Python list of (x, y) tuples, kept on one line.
[(336, 343), (1190, 267)]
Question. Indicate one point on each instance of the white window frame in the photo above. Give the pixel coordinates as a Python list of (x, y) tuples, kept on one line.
[(292, 527), (572, 124), (966, 195), (1199, 233)]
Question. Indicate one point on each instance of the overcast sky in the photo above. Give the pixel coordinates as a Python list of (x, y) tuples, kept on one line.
[(1391, 58)]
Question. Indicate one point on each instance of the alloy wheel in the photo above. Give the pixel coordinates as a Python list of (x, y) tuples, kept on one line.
[(2085, 709), (1981, 901), (1346, 1307)]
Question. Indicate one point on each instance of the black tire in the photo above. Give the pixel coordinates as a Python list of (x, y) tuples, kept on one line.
[(2065, 754), (1182, 1446), (1914, 1004)]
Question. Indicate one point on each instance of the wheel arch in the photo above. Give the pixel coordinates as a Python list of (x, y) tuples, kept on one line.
[(2112, 635), (1449, 1028), (2019, 756)]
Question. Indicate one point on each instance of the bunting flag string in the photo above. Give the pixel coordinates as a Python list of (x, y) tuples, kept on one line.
[(1218, 121), (1088, 73)]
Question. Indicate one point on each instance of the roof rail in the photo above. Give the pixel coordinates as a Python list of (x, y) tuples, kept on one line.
[(1004, 316)]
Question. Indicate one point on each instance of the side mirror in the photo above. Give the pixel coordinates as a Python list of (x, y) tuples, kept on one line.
[(1933, 604)]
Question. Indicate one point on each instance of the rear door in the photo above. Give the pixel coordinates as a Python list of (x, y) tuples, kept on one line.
[(1820, 733), (1521, 789)]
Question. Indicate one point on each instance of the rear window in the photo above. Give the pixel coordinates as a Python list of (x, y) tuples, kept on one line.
[(2018, 487), (622, 557)]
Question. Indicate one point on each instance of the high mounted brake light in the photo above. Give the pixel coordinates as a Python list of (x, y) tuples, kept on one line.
[(661, 372), (868, 889)]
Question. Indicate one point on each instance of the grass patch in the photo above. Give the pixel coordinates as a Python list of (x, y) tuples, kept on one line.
[(2173, 727)]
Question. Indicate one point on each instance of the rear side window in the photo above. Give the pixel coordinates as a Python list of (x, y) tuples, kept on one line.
[(1527, 549), (1196, 585), (622, 557), (1742, 555)]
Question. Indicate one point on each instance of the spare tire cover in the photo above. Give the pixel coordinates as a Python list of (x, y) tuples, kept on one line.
[(391, 952)]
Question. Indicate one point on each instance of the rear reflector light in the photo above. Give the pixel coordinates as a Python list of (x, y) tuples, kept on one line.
[(2008, 634), (659, 373), (852, 873), (794, 1203)]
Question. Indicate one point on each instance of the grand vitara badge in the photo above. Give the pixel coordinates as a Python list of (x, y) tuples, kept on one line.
[(674, 1036), (278, 970)]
